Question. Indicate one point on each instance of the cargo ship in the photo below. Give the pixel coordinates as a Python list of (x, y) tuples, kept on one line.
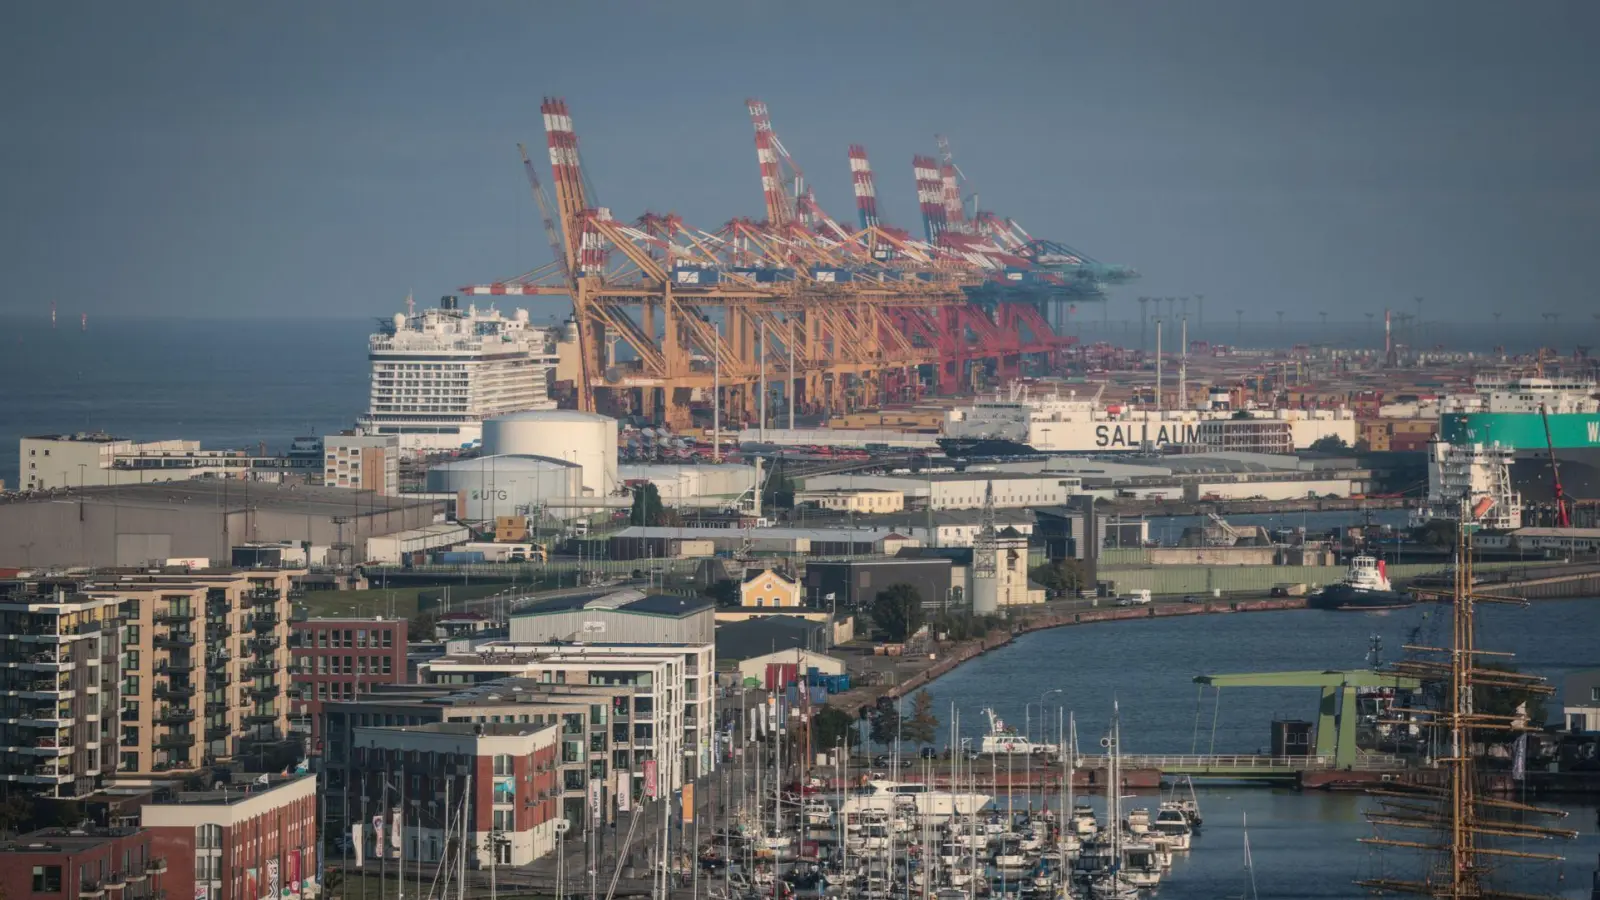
[(1511, 413), (1023, 422)]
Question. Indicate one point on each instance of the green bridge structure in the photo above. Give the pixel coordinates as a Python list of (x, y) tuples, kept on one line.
[(1336, 726)]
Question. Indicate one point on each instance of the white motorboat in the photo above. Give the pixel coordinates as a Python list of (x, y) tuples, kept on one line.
[(1141, 866), (1137, 822), (1172, 828), (919, 799), (1083, 822), (1003, 740)]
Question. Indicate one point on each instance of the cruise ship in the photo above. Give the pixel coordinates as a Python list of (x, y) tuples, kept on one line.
[(1022, 422), (1510, 413), (438, 373)]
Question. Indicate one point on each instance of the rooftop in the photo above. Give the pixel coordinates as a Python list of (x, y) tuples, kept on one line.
[(226, 495), (243, 787), (485, 729), (68, 840), (88, 437), (620, 601)]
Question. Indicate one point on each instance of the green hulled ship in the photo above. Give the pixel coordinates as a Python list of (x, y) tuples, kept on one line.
[(1513, 413)]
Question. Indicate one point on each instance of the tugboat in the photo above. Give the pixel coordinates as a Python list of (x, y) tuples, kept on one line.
[(1365, 586)]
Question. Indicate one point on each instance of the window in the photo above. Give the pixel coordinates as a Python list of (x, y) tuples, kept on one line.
[(361, 638), (386, 665), (322, 665), (388, 638), (132, 636), (322, 639), (502, 764), (322, 690), (505, 791), (504, 820), (47, 879), (1594, 695)]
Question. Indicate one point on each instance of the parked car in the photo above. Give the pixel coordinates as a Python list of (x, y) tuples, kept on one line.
[(1190, 598), (1134, 598)]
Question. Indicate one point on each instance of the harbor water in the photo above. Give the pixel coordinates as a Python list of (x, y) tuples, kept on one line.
[(1303, 844)]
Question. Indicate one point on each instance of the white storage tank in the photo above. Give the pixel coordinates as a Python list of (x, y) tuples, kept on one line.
[(506, 485), (587, 439)]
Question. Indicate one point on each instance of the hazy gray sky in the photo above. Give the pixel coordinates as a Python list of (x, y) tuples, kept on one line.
[(322, 159)]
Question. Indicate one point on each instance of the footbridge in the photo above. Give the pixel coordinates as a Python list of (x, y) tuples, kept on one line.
[(1247, 767)]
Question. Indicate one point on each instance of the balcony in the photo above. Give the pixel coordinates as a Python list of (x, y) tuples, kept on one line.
[(262, 597), (264, 691), (47, 688), (218, 732), (216, 707), (266, 643), (116, 881), (265, 621), (260, 667), (175, 667), (172, 616), (261, 717), (156, 866), (168, 691), (47, 717), (173, 739), (218, 660), (175, 715), (218, 632), (174, 640), (216, 679), (130, 715), (49, 746), (46, 661), (91, 889)]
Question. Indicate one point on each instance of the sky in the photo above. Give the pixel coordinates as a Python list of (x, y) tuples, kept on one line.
[(315, 160)]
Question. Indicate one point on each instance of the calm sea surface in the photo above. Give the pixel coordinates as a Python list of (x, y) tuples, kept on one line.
[(225, 384), (1304, 845)]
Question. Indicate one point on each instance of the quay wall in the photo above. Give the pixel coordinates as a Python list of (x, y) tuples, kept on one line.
[(1124, 568), (973, 649)]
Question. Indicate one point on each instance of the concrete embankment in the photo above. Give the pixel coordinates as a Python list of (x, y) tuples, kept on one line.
[(951, 657)]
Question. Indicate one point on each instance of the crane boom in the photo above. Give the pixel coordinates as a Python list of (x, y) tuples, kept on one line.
[(539, 197), (1563, 518)]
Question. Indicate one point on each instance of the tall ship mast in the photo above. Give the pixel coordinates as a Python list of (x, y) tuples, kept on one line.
[(438, 373), (1471, 845)]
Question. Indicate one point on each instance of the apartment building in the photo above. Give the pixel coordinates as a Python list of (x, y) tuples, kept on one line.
[(589, 734), (87, 863), (338, 659), (252, 840), (502, 776), (59, 689), (363, 462), (671, 714), (204, 664)]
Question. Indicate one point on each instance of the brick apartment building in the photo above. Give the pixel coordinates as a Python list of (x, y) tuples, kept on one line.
[(513, 803), (91, 864), (247, 842), (337, 660)]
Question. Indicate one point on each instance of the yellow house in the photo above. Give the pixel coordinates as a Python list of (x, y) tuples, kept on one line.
[(768, 588)]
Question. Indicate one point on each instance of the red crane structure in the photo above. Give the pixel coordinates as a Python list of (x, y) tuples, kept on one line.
[(1563, 516)]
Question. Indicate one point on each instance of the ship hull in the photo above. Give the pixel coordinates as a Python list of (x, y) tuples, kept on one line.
[(1346, 598), (1580, 474), (1575, 437)]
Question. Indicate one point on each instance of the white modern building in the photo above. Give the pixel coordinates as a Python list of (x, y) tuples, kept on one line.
[(958, 490), (437, 374), (674, 700), (586, 440), (510, 485), (367, 462)]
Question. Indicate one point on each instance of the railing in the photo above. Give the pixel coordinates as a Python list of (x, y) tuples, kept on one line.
[(218, 632), (174, 690), (265, 621), (175, 667), (173, 615), (218, 733), (130, 715), (265, 642), (156, 866), (1202, 763), (174, 716), (216, 707), (263, 690), (173, 640), (175, 740)]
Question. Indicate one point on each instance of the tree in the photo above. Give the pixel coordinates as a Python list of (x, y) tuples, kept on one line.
[(923, 726), (1063, 576), (832, 726), (897, 611), (422, 626), (725, 592), (885, 722), (1363, 446), (647, 508), (1504, 701), (1436, 533), (1329, 443), (1242, 414)]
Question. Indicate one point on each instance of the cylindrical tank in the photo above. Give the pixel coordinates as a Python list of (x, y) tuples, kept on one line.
[(490, 486), (586, 439)]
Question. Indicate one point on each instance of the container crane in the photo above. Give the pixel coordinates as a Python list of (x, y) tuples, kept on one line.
[(1563, 518)]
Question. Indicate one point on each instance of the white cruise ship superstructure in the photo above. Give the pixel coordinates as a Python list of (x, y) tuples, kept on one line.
[(437, 374)]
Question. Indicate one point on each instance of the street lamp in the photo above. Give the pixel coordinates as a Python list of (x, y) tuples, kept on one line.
[(1027, 721)]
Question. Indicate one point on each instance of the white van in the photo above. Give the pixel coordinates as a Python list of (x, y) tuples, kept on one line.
[(1134, 598)]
